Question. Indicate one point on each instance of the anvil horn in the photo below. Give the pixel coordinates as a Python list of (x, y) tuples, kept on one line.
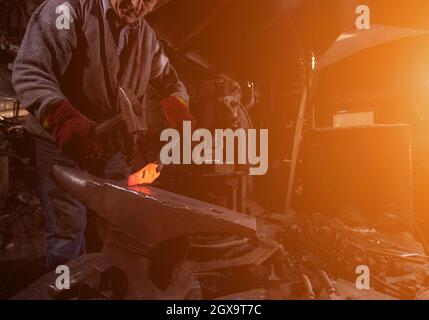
[(150, 215)]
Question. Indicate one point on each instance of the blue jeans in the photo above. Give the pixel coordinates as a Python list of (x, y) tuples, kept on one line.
[(65, 216)]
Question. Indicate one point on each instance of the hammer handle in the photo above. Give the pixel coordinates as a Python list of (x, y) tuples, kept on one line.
[(109, 125)]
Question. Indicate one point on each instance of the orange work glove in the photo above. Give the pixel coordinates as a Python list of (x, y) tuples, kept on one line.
[(176, 112), (73, 132)]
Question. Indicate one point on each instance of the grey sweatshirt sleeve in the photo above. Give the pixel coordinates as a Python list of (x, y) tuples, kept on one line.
[(45, 53), (164, 77)]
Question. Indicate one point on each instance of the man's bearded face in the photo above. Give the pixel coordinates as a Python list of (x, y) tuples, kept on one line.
[(130, 11)]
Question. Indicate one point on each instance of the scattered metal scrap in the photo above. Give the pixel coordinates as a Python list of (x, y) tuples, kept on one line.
[(398, 264)]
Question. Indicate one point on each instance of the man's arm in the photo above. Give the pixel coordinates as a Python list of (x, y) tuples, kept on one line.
[(164, 77), (44, 56), (175, 104)]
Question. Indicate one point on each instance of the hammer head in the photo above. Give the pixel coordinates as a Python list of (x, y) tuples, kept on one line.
[(132, 111)]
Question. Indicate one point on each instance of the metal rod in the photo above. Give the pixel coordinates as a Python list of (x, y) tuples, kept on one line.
[(297, 145)]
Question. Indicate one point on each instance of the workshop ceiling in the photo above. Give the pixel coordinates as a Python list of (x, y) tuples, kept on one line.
[(251, 38), (243, 37)]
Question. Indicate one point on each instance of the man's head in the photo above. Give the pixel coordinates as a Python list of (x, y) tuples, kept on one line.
[(130, 11)]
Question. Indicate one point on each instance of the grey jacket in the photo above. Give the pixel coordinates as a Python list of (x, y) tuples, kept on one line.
[(81, 64)]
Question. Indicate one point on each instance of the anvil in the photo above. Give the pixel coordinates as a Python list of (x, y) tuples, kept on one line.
[(141, 218), (151, 215)]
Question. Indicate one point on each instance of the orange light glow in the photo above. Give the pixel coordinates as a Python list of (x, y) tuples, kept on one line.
[(147, 175)]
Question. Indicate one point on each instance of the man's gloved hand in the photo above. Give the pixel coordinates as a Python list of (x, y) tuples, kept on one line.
[(73, 132), (176, 111)]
